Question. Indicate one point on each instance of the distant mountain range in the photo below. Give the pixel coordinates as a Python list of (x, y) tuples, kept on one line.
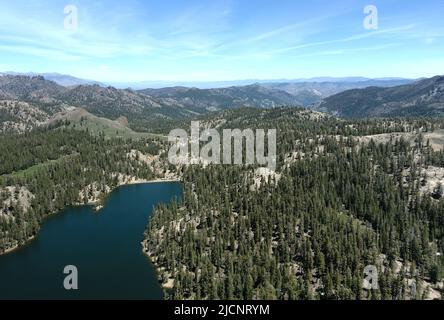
[(235, 83), (197, 100), (324, 89), (422, 98), (28, 101), (304, 92), (348, 82)]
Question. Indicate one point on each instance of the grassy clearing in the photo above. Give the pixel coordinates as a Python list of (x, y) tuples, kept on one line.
[(97, 126), (80, 119), (35, 168)]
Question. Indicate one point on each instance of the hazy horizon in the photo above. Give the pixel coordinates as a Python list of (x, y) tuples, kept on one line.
[(211, 84)]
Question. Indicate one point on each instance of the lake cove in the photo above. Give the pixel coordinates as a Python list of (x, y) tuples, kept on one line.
[(105, 249)]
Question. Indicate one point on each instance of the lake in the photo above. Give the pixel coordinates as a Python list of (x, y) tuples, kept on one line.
[(105, 247)]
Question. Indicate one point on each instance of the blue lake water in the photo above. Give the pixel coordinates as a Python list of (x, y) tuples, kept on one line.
[(105, 247)]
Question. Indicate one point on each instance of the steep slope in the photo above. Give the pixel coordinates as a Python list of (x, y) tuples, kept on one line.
[(27, 102), (422, 98), (29, 88), (19, 116)]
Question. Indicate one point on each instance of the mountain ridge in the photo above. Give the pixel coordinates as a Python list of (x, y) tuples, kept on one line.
[(147, 109), (422, 98), (143, 109)]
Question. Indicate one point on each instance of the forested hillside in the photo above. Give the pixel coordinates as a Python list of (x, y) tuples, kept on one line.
[(42, 172), (422, 98), (345, 195)]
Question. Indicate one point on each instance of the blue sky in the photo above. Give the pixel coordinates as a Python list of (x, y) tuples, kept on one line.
[(190, 40)]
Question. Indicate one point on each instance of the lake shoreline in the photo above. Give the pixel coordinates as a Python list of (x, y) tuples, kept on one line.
[(105, 248), (96, 203), (159, 272), (16, 247)]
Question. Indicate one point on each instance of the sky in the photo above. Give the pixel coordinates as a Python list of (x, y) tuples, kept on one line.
[(220, 40)]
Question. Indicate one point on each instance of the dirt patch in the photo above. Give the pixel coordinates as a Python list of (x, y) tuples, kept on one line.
[(433, 176), (264, 174), (387, 137), (436, 139)]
